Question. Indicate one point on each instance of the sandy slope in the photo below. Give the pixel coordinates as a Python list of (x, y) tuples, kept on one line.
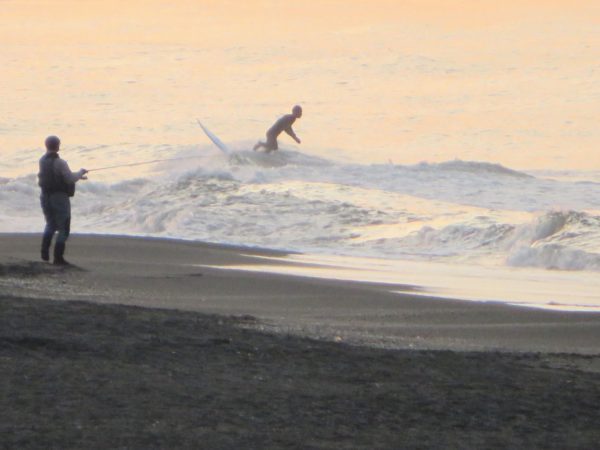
[(164, 273)]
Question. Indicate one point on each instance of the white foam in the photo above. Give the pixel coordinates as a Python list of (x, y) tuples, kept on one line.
[(459, 210)]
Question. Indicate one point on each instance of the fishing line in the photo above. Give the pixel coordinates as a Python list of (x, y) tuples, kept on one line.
[(142, 163)]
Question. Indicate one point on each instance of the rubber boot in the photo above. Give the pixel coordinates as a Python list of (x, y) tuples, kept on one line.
[(59, 251), (46, 241)]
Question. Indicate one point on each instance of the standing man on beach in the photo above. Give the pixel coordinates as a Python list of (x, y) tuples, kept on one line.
[(58, 184), (283, 124)]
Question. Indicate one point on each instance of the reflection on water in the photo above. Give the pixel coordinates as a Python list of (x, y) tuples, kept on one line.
[(569, 291)]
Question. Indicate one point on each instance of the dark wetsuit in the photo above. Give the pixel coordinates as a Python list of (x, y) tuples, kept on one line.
[(283, 124)]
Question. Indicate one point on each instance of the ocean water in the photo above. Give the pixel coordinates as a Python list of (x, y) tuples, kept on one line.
[(454, 139), (455, 211), (460, 229)]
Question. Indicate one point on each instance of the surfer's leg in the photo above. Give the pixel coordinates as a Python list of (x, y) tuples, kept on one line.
[(271, 144)]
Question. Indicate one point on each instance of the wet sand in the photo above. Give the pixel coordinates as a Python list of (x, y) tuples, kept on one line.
[(140, 347), (168, 274)]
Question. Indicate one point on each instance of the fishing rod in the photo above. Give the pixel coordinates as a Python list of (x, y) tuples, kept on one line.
[(142, 163), (208, 133)]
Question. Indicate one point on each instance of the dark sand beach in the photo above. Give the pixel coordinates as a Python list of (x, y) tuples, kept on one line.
[(141, 345)]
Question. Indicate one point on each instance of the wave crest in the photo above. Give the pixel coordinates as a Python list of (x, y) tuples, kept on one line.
[(474, 167)]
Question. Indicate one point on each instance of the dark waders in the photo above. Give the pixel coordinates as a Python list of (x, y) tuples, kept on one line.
[(57, 212)]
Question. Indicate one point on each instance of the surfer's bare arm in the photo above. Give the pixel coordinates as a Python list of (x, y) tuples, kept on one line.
[(289, 131)]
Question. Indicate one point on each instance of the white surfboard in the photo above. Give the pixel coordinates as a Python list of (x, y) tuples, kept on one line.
[(215, 140)]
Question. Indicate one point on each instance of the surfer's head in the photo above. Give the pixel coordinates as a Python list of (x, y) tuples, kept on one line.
[(297, 111), (52, 143)]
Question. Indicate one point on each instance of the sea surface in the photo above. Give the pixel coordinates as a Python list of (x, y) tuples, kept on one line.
[(476, 215), (459, 145)]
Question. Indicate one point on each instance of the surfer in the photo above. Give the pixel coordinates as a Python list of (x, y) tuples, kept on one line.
[(283, 124), (58, 184)]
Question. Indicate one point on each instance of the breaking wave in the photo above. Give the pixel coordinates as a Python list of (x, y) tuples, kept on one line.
[(558, 240), (455, 210)]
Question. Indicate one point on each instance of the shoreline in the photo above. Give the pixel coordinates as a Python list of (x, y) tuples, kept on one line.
[(165, 273)]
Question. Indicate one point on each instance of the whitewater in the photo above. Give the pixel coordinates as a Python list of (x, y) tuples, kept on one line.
[(455, 211), (460, 229)]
